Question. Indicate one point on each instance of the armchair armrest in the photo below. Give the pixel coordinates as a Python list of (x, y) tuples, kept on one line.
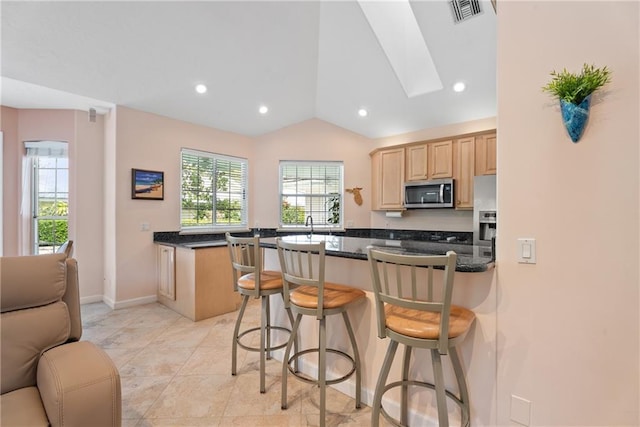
[(79, 386)]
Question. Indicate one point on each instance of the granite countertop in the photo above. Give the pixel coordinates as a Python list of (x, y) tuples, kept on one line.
[(471, 259)]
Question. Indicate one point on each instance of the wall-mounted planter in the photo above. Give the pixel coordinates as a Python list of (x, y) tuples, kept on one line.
[(575, 117), (574, 92)]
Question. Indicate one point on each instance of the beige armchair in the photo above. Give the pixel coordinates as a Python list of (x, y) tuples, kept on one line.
[(49, 377)]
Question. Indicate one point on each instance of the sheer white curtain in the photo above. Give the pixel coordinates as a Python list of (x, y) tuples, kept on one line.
[(34, 149)]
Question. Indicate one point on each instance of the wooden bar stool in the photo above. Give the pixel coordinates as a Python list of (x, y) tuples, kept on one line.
[(410, 313), (249, 280), (307, 294)]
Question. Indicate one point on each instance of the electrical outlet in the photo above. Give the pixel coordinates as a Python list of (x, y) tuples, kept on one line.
[(144, 226), (349, 223)]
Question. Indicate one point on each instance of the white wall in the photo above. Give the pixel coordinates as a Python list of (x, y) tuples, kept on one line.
[(568, 326), (310, 140)]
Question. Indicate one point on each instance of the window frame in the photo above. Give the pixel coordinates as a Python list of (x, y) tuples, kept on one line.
[(216, 226), (325, 226)]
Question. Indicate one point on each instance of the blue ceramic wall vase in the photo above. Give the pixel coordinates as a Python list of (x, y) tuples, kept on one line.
[(575, 117)]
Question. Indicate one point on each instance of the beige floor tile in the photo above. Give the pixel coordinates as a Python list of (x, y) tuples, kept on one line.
[(131, 338), (208, 361), (176, 372), (277, 420), (153, 361), (193, 396), (180, 422), (121, 356), (175, 337), (139, 393)]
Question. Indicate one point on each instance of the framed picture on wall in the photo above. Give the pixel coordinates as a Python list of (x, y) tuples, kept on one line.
[(147, 185)]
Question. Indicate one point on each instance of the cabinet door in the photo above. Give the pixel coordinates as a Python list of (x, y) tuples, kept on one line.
[(486, 163), (167, 271), (441, 159), (387, 178), (465, 162), (416, 164)]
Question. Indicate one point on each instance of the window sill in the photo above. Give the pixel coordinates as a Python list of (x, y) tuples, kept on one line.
[(215, 230)]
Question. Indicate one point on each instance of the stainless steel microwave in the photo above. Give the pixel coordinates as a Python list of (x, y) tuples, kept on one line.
[(428, 194)]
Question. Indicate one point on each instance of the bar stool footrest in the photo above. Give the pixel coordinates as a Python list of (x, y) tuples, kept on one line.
[(257, 329), (431, 386), (309, 380)]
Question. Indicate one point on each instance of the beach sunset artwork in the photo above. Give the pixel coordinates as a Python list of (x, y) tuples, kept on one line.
[(147, 184)]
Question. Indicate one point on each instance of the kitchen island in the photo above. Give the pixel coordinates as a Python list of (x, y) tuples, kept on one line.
[(346, 263)]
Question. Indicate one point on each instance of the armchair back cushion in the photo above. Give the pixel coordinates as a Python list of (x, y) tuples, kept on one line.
[(34, 317)]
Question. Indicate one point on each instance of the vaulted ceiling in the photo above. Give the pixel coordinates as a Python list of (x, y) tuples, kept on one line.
[(302, 59)]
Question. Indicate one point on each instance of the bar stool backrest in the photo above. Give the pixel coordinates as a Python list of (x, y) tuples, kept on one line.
[(408, 281), (302, 264), (245, 256)]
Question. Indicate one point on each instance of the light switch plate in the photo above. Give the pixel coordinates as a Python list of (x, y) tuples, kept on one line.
[(527, 251)]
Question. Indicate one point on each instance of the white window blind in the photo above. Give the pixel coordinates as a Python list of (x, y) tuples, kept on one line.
[(311, 189), (213, 191)]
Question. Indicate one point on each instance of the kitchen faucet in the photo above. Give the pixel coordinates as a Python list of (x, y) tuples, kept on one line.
[(308, 221)]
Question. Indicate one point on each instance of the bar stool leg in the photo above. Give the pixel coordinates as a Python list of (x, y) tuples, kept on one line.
[(322, 369), (404, 399), (285, 360), (441, 397), (268, 342), (462, 386), (376, 407), (236, 331), (356, 357), (295, 342), (263, 330)]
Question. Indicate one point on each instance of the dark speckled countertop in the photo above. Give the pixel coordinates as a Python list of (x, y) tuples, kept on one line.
[(471, 258)]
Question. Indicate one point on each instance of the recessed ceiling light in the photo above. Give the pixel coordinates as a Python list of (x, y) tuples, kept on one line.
[(362, 112), (200, 88), (459, 87), (263, 109)]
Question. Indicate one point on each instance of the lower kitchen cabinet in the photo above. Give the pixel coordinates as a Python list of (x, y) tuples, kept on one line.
[(203, 283), (167, 272)]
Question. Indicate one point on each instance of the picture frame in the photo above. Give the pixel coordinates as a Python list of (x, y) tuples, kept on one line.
[(147, 184)]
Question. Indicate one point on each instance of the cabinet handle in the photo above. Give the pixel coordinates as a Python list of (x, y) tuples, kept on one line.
[(457, 202)]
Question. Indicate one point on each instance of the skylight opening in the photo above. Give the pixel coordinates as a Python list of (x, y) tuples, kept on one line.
[(399, 35)]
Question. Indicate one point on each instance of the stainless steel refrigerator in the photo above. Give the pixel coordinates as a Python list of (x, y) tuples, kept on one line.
[(484, 210)]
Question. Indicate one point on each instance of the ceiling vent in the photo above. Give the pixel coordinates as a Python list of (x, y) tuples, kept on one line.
[(464, 9)]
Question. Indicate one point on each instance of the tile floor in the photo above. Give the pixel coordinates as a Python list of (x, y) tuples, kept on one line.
[(176, 372)]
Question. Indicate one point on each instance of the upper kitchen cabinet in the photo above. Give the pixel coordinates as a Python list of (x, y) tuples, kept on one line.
[(486, 154), (432, 160), (464, 172), (440, 159), (416, 164), (387, 176)]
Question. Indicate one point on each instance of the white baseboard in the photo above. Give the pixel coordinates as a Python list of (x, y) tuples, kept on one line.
[(91, 299), (119, 304)]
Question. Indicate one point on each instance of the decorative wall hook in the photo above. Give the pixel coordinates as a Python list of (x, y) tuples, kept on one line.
[(357, 197)]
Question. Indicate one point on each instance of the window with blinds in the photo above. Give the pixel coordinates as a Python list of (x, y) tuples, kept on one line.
[(213, 191), (311, 189)]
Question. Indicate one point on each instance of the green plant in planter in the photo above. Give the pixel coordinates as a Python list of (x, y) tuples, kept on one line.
[(574, 88), (574, 92)]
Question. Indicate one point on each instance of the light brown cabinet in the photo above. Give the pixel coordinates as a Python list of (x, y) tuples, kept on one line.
[(440, 159), (486, 163), (387, 177), (166, 257), (433, 160), (464, 173), (416, 162), (203, 283), (459, 158)]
